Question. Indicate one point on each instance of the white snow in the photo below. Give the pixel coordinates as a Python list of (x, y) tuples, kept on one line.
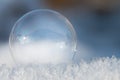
[(101, 69), (98, 69)]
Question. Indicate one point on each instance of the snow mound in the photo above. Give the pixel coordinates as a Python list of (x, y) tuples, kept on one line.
[(97, 69)]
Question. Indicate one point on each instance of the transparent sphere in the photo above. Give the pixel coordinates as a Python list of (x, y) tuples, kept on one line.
[(42, 36)]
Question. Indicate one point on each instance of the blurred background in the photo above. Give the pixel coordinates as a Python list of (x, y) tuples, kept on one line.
[(97, 23)]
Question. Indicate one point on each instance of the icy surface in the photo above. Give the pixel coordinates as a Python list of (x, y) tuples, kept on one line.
[(97, 69)]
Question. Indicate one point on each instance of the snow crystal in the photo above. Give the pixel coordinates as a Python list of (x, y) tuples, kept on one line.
[(98, 69)]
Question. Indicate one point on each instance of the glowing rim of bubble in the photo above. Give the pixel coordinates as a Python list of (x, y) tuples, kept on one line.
[(47, 10)]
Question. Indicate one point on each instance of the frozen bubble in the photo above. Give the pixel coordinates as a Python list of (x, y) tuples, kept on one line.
[(42, 36)]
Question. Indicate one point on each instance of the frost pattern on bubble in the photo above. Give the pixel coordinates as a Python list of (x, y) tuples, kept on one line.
[(100, 69)]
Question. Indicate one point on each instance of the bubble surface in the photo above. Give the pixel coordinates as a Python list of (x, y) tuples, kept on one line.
[(42, 36)]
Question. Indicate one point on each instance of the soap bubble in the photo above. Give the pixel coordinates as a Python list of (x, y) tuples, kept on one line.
[(42, 36)]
